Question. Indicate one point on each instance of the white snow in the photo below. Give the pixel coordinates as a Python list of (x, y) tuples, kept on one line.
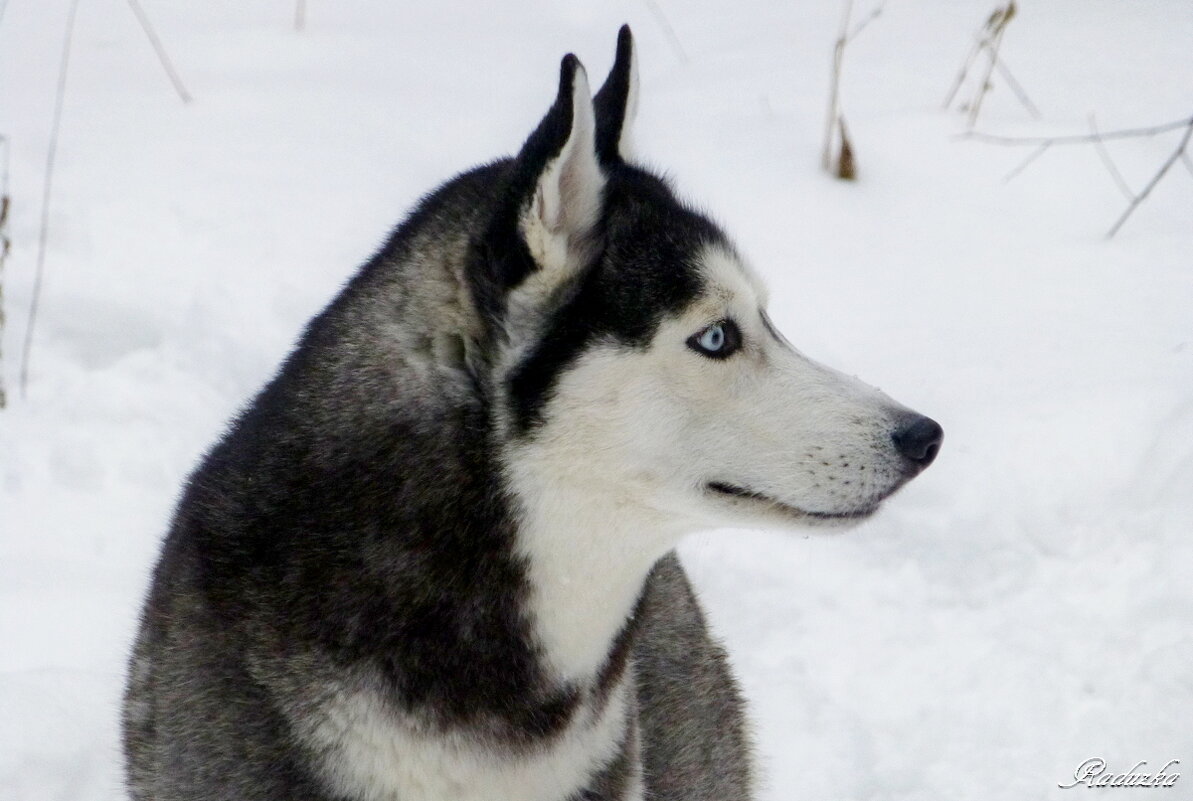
[(1023, 606)]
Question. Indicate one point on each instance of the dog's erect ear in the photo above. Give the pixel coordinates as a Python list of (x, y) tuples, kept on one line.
[(544, 232), (565, 203), (617, 103)]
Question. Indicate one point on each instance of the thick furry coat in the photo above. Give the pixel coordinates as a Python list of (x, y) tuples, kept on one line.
[(432, 561), (343, 568)]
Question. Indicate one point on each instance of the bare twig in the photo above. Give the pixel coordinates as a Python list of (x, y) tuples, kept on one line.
[(959, 81), (861, 26), (4, 167), (836, 137), (1035, 154), (158, 48), (1187, 161), (988, 40), (47, 188), (5, 244), (1078, 139), (1097, 139), (1147, 190), (833, 117), (997, 26), (1016, 87), (665, 24), (1111, 167)]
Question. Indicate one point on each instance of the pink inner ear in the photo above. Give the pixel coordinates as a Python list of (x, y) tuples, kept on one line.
[(569, 190)]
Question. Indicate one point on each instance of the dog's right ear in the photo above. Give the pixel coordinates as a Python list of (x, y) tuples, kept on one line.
[(617, 102)]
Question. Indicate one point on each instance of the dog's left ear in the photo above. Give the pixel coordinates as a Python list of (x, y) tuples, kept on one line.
[(545, 231), (617, 103), (557, 224)]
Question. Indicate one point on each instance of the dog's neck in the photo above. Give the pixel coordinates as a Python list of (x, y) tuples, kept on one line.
[(588, 554)]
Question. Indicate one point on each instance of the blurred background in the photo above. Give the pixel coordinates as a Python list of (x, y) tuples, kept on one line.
[(1022, 607)]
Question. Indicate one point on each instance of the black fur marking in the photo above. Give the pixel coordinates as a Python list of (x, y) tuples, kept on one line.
[(647, 270), (612, 99)]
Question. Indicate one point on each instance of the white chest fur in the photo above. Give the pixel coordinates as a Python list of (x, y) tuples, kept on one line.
[(373, 755)]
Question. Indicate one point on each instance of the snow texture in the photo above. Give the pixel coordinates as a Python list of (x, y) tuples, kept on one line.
[(1023, 606)]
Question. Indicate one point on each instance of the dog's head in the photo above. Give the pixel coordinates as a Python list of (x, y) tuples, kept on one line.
[(636, 362)]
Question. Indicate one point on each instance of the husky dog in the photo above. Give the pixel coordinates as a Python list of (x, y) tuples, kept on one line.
[(432, 561)]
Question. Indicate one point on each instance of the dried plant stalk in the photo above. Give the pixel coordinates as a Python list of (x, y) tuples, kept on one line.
[(1098, 139), (837, 156), (989, 41)]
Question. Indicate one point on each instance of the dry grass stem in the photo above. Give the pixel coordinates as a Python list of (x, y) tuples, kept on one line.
[(837, 156), (160, 49), (665, 24), (46, 194), (1098, 139), (988, 40), (5, 246), (1111, 167)]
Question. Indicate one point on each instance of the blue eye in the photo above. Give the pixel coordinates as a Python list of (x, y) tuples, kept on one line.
[(717, 341), (713, 339)]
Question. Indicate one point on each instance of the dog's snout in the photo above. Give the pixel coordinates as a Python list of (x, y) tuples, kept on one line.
[(918, 439)]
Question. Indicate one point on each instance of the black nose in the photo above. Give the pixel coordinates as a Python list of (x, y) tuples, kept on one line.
[(919, 439)]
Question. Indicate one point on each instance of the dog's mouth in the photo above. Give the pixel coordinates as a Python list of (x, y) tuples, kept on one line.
[(774, 504)]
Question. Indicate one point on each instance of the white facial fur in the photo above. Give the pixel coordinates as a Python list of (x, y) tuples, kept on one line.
[(633, 437), (769, 420), (658, 424)]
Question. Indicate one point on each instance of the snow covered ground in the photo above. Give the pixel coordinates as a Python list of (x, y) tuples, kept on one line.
[(1023, 606)]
